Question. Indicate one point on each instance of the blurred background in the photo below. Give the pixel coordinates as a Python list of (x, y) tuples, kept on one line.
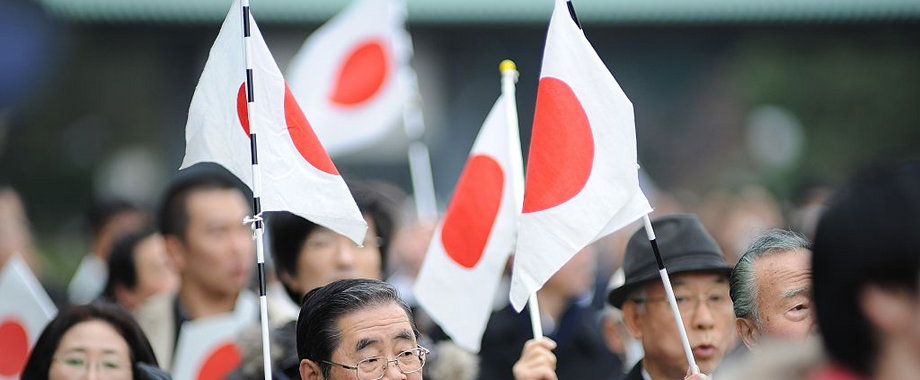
[(747, 112)]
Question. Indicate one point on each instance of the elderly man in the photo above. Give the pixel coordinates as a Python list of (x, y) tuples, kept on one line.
[(771, 288), (699, 276), (357, 329)]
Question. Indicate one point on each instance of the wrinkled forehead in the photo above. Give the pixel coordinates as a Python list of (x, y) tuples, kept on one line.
[(382, 325)]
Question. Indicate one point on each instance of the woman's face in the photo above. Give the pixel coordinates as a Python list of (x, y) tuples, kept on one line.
[(91, 350)]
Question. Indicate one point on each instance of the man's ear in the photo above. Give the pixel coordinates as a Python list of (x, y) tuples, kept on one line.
[(175, 248), (748, 332), (632, 319), (310, 370)]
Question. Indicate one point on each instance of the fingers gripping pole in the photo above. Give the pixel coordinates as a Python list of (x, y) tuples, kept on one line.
[(666, 281)]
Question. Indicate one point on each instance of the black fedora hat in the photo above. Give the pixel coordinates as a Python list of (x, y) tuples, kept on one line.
[(685, 246)]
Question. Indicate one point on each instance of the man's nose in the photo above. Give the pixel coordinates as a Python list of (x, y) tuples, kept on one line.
[(393, 373), (345, 252), (703, 318)]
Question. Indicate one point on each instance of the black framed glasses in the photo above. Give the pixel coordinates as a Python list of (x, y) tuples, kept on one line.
[(373, 368)]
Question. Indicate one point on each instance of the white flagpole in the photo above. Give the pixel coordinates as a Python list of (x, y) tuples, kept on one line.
[(509, 77), (666, 281), (256, 219), (426, 205)]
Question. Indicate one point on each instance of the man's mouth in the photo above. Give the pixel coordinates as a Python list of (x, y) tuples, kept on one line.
[(704, 351)]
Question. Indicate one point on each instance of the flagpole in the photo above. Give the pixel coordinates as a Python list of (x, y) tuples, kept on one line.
[(256, 220), (666, 281), (426, 206), (509, 77)]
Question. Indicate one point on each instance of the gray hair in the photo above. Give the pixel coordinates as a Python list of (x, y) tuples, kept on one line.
[(743, 284)]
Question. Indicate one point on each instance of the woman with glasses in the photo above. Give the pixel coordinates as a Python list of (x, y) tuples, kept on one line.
[(95, 341)]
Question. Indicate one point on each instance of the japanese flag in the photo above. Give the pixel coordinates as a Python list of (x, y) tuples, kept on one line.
[(297, 174), (582, 175), (207, 347), (471, 245), (25, 309), (352, 75)]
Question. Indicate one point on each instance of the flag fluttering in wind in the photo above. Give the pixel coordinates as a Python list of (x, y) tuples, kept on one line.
[(297, 174), (351, 75), (467, 255), (582, 172), (25, 309)]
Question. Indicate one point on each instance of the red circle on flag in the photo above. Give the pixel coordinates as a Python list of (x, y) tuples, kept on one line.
[(14, 344), (362, 74), (561, 148), (303, 136), (473, 210), (220, 362), (242, 106)]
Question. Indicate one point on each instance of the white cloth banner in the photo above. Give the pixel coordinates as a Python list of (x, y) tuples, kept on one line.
[(25, 309)]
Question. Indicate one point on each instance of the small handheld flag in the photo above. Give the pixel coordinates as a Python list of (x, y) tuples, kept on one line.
[(471, 245)]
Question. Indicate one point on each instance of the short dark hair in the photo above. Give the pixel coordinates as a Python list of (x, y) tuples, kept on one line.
[(172, 216), (288, 232), (104, 210), (39, 363), (868, 235), (122, 263), (317, 334)]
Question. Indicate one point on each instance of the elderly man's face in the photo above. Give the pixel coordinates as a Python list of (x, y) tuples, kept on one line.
[(783, 283), (706, 310), (382, 330)]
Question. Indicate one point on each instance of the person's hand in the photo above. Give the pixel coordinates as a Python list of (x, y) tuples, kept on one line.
[(695, 376), (537, 361)]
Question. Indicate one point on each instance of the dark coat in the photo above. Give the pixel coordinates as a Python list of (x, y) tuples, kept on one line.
[(635, 373), (581, 352)]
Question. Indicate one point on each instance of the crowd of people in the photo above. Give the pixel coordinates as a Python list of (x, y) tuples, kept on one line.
[(842, 303)]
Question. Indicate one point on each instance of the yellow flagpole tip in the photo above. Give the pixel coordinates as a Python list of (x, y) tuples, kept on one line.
[(507, 65)]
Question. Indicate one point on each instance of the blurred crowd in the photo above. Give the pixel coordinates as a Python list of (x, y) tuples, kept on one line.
[(821, 288)]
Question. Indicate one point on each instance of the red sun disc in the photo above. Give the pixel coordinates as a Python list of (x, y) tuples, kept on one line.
[(561, 148), (303, 136), (242, 107), (473, 210), (220, 362), (14, 344), (362, 74)]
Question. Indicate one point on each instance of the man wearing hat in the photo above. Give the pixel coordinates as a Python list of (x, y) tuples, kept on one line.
[(699, 276)]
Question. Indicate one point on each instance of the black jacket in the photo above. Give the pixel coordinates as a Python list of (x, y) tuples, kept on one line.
[(634, 374), (581, 352)]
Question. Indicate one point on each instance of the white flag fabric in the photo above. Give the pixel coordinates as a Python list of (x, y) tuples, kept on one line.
[(352, 75), (582, 173), (25, 309), (207, 347), (467, 255), (297, 174)]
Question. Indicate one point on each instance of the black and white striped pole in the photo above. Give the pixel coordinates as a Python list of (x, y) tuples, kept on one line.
[(256, 220), (662, 271), (669, 291)]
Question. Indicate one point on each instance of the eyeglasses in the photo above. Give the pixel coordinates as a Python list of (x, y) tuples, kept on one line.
[(80, 363), (373, 368), (687, 303)]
